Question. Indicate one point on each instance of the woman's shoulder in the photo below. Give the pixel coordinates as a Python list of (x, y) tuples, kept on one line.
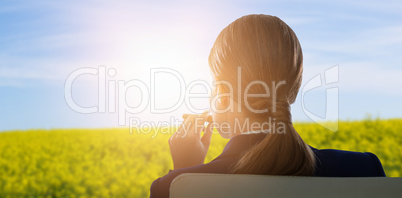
[(342, 163)]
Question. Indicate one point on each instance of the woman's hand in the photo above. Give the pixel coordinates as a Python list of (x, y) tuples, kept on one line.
[(187, 146)]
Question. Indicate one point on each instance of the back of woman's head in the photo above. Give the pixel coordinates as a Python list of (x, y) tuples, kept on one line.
[(266, 50)]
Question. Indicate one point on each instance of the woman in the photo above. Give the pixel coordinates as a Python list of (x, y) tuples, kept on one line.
[(257, 64)]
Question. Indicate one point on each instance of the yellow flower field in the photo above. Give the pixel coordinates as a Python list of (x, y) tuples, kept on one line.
[(115, 163)]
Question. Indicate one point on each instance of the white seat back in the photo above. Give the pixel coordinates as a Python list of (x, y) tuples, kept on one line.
[(194, 185)]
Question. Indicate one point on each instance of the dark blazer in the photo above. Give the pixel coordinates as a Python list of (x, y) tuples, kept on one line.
[(330, 163)]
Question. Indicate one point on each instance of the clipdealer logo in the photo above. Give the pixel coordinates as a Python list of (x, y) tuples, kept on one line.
[(112, 95)]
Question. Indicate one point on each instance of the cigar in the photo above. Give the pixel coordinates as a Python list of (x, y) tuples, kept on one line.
[(208, 117)]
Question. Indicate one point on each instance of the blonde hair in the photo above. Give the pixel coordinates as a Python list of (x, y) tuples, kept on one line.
[(266, 49)]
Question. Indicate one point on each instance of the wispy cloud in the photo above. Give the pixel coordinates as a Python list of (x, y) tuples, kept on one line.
[(362, 77)]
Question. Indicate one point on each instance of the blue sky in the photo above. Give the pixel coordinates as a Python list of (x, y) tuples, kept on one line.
[(43, 42)]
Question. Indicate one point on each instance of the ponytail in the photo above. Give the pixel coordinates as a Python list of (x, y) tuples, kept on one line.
[(283, 153)]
